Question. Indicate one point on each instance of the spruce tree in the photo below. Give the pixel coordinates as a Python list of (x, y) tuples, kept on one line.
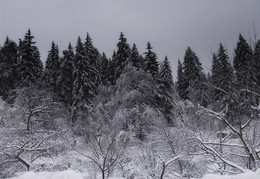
[(215, 69), (195, 81), (65, 79), (150, 62), (104, 69), (92, 55), (222, 74), (180, 83), (244, 64), (8, 67), (135, 57), (122, 56), (166, 90), (112, 69), (226, 75), (29, 66), (52, 68), (83, 86), (246, 84), (257, 63)]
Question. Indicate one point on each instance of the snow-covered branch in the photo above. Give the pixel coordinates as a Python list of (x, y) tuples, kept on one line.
[(215, 153)]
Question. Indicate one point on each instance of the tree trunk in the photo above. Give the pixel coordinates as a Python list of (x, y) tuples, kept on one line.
[(28, 122), (103, 174), (163, 171)]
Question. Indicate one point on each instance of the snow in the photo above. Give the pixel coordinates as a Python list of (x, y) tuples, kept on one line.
[(247, 175), (71, 174), (66, 174)]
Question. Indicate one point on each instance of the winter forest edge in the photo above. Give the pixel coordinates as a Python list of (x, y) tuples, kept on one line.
[(125, 116)]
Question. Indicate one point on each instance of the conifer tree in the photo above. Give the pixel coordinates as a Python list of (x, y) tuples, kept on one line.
[(112, 68), (246, 83), (215, 69), (8, 67), (166, 90), (122, 56), (135, 57), (65, 79), (195, 81), (243, 64), (92, 55), (83, 85), (222, 74), (29, 66), (180, 83), (150, 62), (257, 63), (226, 75), (104, 69), (52, 68)]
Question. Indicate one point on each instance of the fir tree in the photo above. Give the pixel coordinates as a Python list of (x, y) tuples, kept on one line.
[(65, 79), (243, 64), (180, 83), (195, 81), (122, 56), (112, 69), (83, 86), (226, 75), (166, 90), (91, 55), (52, 68), (135, 57), (8, 67), (215, 69), (222, 74), (246, 83), (104, 69), (257, 63), (150, 62), (30, 66)]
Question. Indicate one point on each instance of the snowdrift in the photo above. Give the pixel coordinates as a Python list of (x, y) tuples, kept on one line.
[(66, 174), (71, 174), (247, 175)]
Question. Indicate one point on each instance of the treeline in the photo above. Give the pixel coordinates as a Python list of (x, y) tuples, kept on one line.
[(77, 76)]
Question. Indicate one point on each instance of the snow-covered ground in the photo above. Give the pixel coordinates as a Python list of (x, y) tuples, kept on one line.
[(71, 174), (247, 175), (67, 174)]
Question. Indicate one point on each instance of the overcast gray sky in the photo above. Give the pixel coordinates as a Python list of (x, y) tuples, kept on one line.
[(170, 25)]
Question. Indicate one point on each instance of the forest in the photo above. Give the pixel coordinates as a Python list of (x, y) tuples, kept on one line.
[(125, 116)]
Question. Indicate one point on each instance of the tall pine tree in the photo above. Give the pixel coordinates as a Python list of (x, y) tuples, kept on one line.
[(92, 55), (257, 63), (226, 77), (166, 90), (195, 81), (52, 68), (83, 86), (30, 66), (181, 83), (104, 69), (150, 62), (135, 57), (8, 67), (222, 74), (122, 56), (65, 79), (244, 65)]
